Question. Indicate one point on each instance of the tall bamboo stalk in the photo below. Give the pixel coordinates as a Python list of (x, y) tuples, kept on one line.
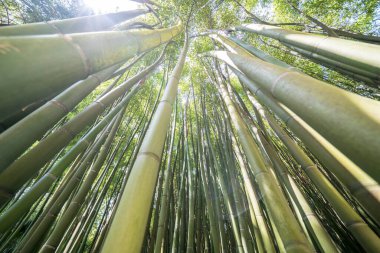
[(293, 238), (21, 135), (322, 110), (363, 56), (361, 186), (25, 167), (130, 220), (73, 25), (354, 223), (54, 62)]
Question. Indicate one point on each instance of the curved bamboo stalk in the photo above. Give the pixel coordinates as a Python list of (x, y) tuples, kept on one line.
[(353, 222), (25, 167), (59, 198), (168, 175), (260, 54), (73, 25), (363, 56), (11, 215), (16, 139), (290, 232), (329, 110), (74, 206), (129, 223), (54, 62), (305, 214), (362, 75), (365, 190)]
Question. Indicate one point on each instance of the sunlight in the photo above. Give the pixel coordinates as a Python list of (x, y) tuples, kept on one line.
[(106, 6)]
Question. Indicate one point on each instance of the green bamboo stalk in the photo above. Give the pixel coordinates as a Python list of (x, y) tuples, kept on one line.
[(129, 223), (260, 54), (178, 211), (353, 222), (168, 175), (127, 168), (304, 212), (240, 208), (25, 167), (370, 77), (215, 236), (59, 198), (74, 206), (12, 214), (333, 64), (365, 190), (214, 225), (261, 233), (290, 232), (358, 54), (54, 62), (228, 201), (322, 111), (72, 25), (16, 139), (227, 197), (191, 189)]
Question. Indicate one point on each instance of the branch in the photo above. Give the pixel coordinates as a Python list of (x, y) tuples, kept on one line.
[(325, 28)]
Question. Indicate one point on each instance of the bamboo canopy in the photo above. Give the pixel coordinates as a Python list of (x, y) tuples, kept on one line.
[(191, 137)]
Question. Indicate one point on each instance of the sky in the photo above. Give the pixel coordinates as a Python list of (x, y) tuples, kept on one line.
[(105, 6)]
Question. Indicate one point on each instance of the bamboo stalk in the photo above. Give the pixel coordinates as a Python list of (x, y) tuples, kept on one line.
[(21, 135), (129, 223), (290, 232), (358, 54), (361, 186), (73, 208), (73, 25), (329, 110), (54, 62), (354, 223), (42, 185), (25, 167)]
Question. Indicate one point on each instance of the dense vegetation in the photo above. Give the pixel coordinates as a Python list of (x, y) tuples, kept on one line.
[(194, 126)]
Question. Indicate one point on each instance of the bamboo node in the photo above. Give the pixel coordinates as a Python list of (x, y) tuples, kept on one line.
[(354, 224), (86, 141), (278, 79), (49, 246), (316, 47), (60, 105), (100, 103), (96, 77), (166, 101), (52, 176), (68, 131), (151, 154), (80, 52)]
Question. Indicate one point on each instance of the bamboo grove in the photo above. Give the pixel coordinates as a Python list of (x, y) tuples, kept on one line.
[(142, 131)]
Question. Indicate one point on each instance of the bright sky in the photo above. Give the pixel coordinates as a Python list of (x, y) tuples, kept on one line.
[(105, 6)]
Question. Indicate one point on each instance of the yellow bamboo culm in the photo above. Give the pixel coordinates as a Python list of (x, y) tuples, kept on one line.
[(131, 217)]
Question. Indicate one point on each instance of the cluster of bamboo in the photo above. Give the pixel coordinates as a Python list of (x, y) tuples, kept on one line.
[(281, 163)]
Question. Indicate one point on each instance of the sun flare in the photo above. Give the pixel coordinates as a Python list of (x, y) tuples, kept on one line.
[(105, 6)]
